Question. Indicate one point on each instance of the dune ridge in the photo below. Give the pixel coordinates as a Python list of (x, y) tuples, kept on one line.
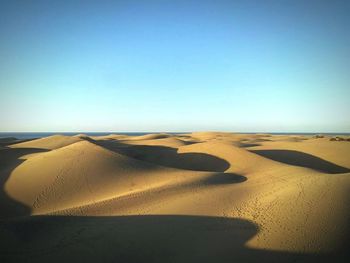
[(293, 191)]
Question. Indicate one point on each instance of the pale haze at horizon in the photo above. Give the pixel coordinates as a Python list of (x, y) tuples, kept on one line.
[(277, 66)]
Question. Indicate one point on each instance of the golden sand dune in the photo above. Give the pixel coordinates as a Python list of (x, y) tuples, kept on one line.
[(79, 174), (201, 197), (329, 151), (165, 142), (149, 137), (50, 143)]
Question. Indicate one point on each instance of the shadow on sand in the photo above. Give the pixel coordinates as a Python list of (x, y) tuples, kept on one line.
[(167, 156), (153, 238), (9, 160), (223, 178), (137, 238), (302, 159)]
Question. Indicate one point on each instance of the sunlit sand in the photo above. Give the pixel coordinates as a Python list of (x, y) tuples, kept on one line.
[(200, 197)]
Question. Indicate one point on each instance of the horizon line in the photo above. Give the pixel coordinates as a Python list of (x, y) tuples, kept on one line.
[(296, 132)]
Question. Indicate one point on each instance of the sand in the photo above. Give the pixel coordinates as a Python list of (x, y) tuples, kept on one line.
[(199, 197)]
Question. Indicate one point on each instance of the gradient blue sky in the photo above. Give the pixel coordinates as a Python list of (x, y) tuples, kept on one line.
[(254, 66)]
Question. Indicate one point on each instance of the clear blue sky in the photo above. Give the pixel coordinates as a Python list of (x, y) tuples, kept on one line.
[(175, 66)]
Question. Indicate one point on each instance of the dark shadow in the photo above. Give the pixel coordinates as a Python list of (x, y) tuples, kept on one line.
[(167, 156), (189, 142), (123, 140), (246, 145), (153, 238), (7, 139), (223, 178), (302, 159), (131, 239), (12, 140), (9, 160), (89, 139)]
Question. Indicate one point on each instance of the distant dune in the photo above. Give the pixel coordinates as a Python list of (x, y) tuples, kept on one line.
[(200, 197)]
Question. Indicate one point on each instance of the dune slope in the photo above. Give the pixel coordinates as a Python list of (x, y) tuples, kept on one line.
[(277, 205)]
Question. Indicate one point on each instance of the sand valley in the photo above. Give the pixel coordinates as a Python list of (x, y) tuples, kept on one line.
[(198, 197)]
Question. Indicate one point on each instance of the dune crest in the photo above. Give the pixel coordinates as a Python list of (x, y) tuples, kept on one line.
[(49, 143), (290, 193)]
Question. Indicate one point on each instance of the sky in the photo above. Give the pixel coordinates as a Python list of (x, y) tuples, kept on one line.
[(242, 66)]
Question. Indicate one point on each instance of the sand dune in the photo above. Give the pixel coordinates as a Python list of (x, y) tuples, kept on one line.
[(50, 143), (201, 197), (332, 151), (149, 137), (79, 174)]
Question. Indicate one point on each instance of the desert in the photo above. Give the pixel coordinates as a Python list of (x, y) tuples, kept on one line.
[(195, 197)]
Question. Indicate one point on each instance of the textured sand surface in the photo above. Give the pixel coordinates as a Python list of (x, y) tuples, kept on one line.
[(200, 197)]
